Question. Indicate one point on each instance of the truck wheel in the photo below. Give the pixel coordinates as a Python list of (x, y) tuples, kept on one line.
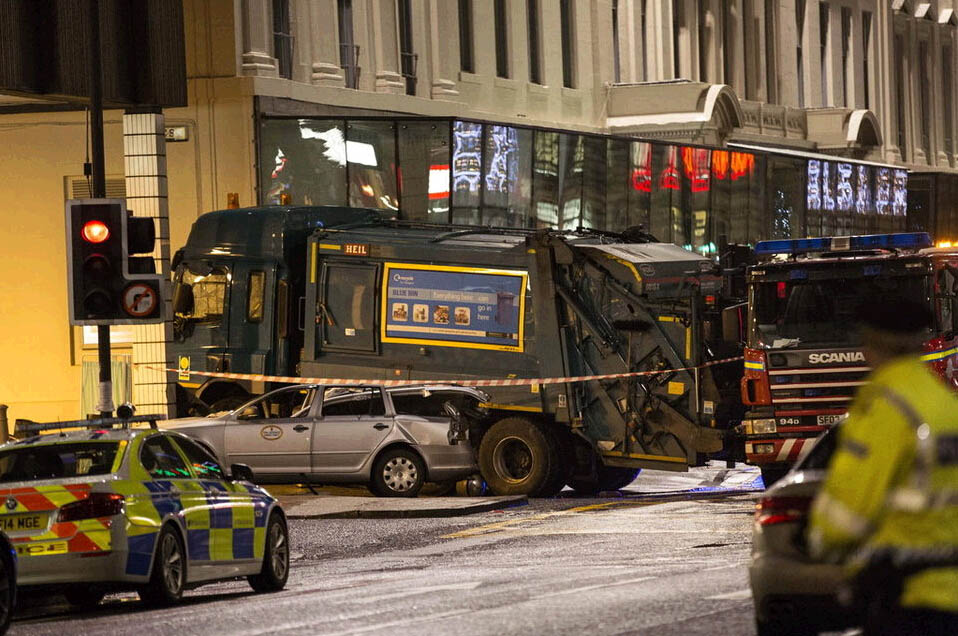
[(272, 578), (516, 458), (562, 460), (608, 478), (398, 473), (169, 570)]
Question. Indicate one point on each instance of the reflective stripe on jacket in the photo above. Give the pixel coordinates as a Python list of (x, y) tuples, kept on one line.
[(893, 481)]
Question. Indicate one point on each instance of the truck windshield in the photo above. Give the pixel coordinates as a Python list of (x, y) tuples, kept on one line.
[(57, 461), (207, 292), (819, 312)]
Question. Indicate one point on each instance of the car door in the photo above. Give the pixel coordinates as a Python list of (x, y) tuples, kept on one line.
[(272, 434), (231, 515), (174, 491), (352, 424)]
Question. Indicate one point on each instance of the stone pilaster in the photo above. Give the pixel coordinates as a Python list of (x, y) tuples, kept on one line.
[(257, 39), (144, 155), (324, 42), (385, 31), (443, 48)]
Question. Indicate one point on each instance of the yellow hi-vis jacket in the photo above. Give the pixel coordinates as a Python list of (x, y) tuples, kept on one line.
[(893, 481)]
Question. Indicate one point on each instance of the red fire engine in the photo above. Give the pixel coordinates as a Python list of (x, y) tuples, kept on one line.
[(803, 356)]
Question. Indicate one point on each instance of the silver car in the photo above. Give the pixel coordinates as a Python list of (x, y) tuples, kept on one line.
[(392, 440), (793, 593)]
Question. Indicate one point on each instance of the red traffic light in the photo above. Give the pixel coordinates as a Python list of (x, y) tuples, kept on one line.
[(95, 231)]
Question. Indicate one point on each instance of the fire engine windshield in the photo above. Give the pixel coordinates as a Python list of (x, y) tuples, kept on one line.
[(819, 312)]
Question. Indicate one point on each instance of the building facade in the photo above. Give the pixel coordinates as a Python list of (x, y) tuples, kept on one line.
[(700, 119)]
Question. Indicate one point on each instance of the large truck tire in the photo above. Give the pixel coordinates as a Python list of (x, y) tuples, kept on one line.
[(608, 478), (516, 458), (563, 459)]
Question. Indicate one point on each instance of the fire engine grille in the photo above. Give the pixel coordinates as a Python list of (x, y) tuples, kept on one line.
[(815, 388)]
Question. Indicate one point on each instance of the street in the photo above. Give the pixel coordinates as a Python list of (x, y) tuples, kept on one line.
[(630, 564)]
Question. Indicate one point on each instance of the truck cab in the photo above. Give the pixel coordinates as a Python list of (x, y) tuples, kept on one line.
[(803, 358), (237, 298)]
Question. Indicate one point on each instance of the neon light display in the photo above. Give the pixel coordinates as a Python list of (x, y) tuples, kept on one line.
[(696, 163), (883, 191), (900, 193), (720, 163), (813, 193), (466, 156), (669, 179), (742, 163), (843, 188), (863, 191)]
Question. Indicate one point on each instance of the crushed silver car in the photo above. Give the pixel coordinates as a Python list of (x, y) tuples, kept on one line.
[(393, 440)]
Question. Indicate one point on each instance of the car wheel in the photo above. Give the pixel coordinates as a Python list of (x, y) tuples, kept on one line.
[(398, 473), (85, 597), (516, 458), (272, 578), (169, 570), (8, 589)]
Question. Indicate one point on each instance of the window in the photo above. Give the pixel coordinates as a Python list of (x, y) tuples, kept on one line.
[(823, 49), (567, 20), (348, 49), (866, 54), (771, 55), (429, 403), (616, 60), (305, 159), (204, 465), (161, 459), (800, 50), (289, 403), (848, 90), (466, 63), (371, 164), (502, 38), (424, 157), (407, 59), (254, 300), (29, 463), (357, 401), (282, 38), (535, 53), (208, 290), (947, 98)]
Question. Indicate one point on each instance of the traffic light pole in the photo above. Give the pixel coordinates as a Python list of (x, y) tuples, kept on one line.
[(98, 173)]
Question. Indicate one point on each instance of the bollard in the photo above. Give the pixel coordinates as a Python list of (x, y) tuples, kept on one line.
[(4, 431)]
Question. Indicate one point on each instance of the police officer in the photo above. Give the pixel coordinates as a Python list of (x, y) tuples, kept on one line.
[(889, 504)]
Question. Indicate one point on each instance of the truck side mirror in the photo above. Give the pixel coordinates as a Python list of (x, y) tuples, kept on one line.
[(733, 319), (183, 300)]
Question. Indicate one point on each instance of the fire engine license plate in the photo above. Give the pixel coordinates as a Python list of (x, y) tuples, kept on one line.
[(828, 420), (20, 523)]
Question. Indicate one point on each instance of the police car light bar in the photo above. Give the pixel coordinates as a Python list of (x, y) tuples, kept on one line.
[(909, 240), (26, 426)]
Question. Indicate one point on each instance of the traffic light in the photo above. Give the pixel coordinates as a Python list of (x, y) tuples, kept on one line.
[(108, 284)]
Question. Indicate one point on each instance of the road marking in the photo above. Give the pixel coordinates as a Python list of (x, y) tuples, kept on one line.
[(738, 595), (587, 588)]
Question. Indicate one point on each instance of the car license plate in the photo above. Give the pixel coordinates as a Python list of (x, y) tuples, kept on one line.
[(42, 549), (23, 522), (828, 420)]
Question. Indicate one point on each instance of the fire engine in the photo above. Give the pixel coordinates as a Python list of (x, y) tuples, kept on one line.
[(803, 357)]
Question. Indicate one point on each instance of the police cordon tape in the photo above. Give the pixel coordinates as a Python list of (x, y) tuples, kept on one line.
[(286, 379)]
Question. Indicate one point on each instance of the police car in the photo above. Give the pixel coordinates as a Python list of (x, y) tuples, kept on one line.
[(103, 509)]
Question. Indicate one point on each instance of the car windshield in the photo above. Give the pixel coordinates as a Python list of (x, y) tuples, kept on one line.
[(819, 312), (57, 461)]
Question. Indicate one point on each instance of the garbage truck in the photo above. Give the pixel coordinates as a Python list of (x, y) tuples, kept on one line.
[(593, 346)]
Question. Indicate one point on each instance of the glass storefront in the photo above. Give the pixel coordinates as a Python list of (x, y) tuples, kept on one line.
[(475, 173)]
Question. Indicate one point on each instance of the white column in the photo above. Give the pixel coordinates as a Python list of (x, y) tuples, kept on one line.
[(385, 31), (324, 41), (144, 154)]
